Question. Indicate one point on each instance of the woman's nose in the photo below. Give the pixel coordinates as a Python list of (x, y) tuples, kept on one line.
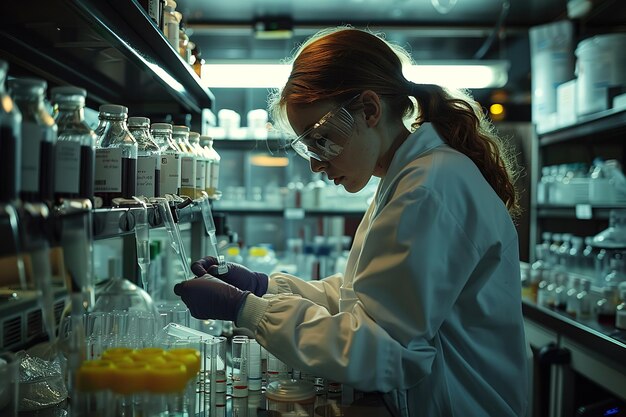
[(317, 166)]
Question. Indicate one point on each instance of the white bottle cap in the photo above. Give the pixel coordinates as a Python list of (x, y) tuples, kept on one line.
[(113, 109)]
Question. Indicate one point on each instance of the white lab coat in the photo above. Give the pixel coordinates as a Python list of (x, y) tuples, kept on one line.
[(429, 308)]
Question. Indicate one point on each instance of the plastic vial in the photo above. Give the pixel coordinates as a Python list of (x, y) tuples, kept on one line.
[(10, 142), (588, 257), (171, 24), (222, 267), (214, 158), (606, 306), (201, 163), (170, 158), (75, 148), (583, 310), (539, 270), (240, 358), (148, 158), (180, 135), (39, 135), (575, 256), (116, 156), (620, 310), (560, 292)]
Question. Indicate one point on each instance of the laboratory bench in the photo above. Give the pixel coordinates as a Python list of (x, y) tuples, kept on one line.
[(575, 362)]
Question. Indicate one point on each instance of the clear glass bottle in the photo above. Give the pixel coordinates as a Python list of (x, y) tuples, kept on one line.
[(170, 158), (39, 134), (76, 144), (605, 307), (201, 163), (214, 158), (572, 302), (116, 156), (589, 256), (148, 158), (583, 308), (180, 135), (10, 142), (616, 272), (620, 310), (575, 256), (560, 292)]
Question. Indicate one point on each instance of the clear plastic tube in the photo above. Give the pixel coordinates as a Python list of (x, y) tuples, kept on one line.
[(174, 233), (254, 366), (240, 358), (209, 224), (142, 240)]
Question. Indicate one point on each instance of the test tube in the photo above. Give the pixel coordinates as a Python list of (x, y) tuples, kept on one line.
[(254, 366), (212, 381), (94, 333), (240, 355), (142, 240), (276, 369)]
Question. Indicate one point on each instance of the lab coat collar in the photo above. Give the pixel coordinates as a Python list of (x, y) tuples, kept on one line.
[(424, 139)]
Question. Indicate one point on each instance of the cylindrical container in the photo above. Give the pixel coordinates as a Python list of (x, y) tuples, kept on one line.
[(75, 148), (129, 381), (213, 174), (291, 397), (180, 135), (201, 163), (10, 142), (240, 357), (116, 156), (166, 384), (170, 158), (600, 65), (39, 135), (93, 380), (9, 384), (213, 375), (148, 158), (276, 369), (254, 366)]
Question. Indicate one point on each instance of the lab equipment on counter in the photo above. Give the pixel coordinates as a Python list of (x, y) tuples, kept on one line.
[(291, 397)]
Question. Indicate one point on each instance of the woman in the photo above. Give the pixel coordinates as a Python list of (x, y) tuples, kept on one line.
[(428, 310)]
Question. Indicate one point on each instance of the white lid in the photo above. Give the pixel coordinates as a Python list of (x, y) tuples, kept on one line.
[(161, 126), (606, 41), (290, 390), (171, 3), (180, 129), (194, 137), (138, 121), (113, 109)]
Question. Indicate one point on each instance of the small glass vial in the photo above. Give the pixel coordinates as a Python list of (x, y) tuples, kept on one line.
[(170, 158), (180, 135), (560, 292), (620, 310), (572, 302), (148, 158), (116, 156), (75, 148), (583, 309), (201, 163), (240, 358), (10, 142), (214, 158), (605, 307), (39, 135)]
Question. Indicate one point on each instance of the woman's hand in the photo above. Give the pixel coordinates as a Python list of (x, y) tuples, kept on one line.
[(237, 275), (208, 297)]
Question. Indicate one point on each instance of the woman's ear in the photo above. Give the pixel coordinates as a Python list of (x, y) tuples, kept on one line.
[(371, 108)]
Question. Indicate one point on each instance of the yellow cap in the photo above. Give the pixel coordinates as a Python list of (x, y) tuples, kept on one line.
[(130, 378), (258, 251), (94, 375), (167, 377), (152, 351), (232, 251), (188, 356), (120, 359), (118, 351)]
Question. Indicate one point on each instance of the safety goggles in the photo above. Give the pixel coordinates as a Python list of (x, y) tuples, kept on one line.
[(315, 142)]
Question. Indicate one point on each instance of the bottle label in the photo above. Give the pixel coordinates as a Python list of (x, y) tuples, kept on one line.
[(187, 172), (201, 174), (146, 167), (170, 174), (67, 174), (215, 174), (32, 135), (108, 175), (209, 164)]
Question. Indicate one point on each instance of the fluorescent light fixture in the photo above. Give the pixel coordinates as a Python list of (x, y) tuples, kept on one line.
[(457, 74)]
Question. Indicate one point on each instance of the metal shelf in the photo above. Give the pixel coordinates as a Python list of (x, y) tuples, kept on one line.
[(610, 122), (289, 213), (111, 48), (580, 211)]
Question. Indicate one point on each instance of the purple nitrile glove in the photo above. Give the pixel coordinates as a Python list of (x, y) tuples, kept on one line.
[(237, 275), (211, 298)]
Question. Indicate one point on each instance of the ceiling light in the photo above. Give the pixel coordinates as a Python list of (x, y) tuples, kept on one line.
[(455, 74)]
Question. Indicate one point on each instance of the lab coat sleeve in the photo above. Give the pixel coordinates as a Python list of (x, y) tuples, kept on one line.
[(418, 259), (324, 292)]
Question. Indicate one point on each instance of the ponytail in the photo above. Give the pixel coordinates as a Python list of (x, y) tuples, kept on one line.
[(464, 128)]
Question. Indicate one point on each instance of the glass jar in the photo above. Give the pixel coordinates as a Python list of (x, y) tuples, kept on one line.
[(180, 135), (10, 142), (170, 158), (39, 135), (75, 148), (116, 156), (148, 158), (291, 397)]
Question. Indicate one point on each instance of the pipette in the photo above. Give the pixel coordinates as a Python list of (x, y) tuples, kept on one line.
[(209, 225), (142, 240), (173, 231)]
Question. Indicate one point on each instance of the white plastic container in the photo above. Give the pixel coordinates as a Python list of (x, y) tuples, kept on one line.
[(601, 64)]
